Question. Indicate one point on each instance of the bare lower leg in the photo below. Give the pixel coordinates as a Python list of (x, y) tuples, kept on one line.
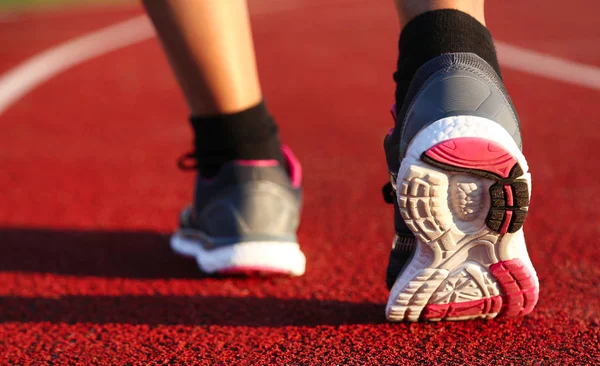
[(408, 9), (209, 45)]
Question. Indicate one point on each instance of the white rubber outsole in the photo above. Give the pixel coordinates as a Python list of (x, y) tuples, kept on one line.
[(462, 269), (263, 257)]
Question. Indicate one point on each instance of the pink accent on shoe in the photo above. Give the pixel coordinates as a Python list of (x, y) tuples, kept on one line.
[(508, 194), (488, 305), (295, 169), (293, 165), (474, 153), (520, 295), (518, 285), (252, 271), (393, 110), (506, 223), (508, 214), (257, 163)]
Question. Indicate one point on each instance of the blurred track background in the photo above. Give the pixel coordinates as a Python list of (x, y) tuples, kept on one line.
[(89, 192)]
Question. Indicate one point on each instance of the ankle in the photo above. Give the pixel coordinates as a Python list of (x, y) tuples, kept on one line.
[(410, 9)]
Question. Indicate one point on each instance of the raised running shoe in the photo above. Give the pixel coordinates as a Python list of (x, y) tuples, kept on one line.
[(244, 220), (460, 187)]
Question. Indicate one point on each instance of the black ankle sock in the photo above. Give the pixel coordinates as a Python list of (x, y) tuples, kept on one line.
[(437, 32), (248, 135)]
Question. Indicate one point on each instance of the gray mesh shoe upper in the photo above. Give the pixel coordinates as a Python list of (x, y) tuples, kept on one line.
[(246, 201), (449, 85)]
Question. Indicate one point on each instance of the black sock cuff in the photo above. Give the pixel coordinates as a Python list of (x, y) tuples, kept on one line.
[(250, 134), (230, 131), (437, 32)]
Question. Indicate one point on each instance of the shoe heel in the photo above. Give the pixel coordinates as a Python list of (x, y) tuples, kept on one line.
[(465, 199)]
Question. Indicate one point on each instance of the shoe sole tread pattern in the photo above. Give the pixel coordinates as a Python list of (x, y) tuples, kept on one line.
[(463, 190)]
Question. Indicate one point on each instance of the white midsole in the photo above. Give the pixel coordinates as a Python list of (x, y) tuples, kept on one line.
[(274, 256)]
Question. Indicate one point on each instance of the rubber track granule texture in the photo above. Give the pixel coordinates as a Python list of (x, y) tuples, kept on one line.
[(90, 192)]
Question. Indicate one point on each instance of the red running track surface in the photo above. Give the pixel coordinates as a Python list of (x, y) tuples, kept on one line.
[(90, 192)]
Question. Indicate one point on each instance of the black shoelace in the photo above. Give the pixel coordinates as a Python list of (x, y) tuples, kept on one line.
[(192, 160), (188, 161), (389, 193)]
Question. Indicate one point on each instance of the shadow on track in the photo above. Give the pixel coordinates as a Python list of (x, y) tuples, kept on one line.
[(129, 254), (145, 255), (188, 310)]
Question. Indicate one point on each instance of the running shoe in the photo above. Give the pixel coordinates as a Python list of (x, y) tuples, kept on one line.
[(244, 220), (460, 187)]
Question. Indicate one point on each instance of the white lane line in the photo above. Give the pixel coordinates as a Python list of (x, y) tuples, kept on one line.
[(547, 66), (28, 75)]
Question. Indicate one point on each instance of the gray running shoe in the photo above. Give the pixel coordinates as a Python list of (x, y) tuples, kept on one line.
[(460, 187), (244, 220)]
